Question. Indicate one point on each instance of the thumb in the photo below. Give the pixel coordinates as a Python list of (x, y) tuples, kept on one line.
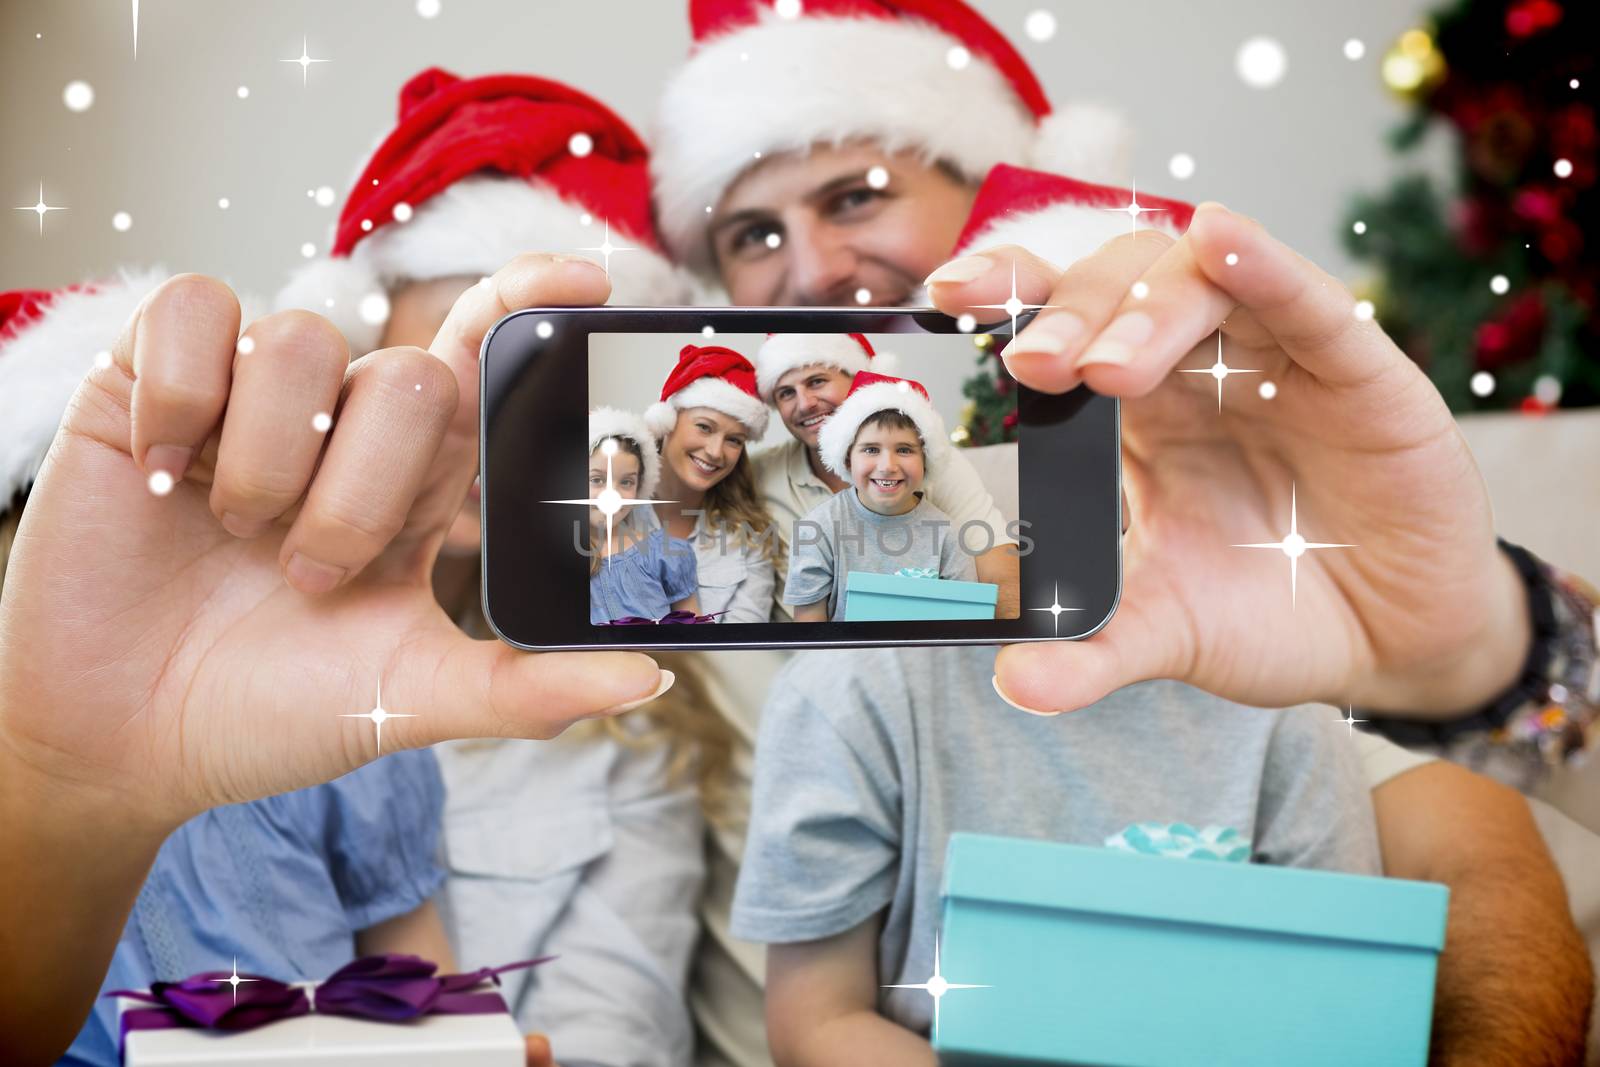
[(538, 1051), (985, 278), (452, 686), (1048, 678)]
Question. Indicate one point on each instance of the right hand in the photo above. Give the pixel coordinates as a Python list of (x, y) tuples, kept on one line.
[(155, 658)]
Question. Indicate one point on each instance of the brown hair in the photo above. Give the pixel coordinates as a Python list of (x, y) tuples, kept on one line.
[(10, 519), (733, 504)]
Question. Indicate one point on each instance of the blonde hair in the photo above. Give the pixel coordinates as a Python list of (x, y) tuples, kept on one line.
[(634, 449), (734, 504), (700, 739)]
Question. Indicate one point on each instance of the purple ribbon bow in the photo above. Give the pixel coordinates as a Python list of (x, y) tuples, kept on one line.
[(388, 988), (687, 617)]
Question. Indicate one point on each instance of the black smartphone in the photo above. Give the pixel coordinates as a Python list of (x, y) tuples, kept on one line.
[(781, 477)]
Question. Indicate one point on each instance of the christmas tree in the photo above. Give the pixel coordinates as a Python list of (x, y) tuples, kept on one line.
[(1491, 285), (990, 416)]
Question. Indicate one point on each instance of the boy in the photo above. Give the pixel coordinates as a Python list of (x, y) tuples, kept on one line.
[(868, 760), (882, 439)]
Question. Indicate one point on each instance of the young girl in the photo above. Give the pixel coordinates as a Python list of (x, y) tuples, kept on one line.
[(635, 571)]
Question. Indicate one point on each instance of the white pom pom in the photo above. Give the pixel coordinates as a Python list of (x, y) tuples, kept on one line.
[(1085, 141)]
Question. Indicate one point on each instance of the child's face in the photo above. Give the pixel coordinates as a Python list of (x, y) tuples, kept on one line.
[(624, 479), (886, 467)]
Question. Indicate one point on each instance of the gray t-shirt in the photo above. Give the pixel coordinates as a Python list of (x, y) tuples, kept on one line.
[(868, 760), (842, 534)]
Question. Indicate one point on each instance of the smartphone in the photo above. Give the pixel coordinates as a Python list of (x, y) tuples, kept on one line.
[(878, 531)]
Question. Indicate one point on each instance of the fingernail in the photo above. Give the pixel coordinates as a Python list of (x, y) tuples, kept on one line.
[(965, 269), (1019, 707), (310, 576), (170, 458), (1115, 344), (667, 678), (240, 526), (1048, 335)]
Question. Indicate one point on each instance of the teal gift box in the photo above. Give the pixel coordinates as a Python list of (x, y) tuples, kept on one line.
[(1102, 957), (896, 598)]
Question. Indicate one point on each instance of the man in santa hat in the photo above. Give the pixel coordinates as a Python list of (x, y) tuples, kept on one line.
[(839, 152)]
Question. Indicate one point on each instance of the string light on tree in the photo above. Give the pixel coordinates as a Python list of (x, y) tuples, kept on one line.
[(1482, 384)]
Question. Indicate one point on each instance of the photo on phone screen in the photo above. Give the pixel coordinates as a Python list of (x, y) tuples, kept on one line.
[(827, 472), (767, 477)]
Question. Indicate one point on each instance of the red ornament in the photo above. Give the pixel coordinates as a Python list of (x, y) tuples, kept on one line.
[(1529, 17), (1532, 405), (1010, 421), (1514, 336)]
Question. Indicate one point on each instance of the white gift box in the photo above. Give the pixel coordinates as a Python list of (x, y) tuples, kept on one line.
[(429, 1041)]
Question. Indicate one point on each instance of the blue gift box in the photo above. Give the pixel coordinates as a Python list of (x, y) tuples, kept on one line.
[(1097, 956), (895, 598)]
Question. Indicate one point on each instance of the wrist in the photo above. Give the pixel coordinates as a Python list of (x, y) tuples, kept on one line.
[(1476, 672)]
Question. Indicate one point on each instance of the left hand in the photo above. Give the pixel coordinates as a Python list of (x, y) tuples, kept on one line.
[(1424, 616)]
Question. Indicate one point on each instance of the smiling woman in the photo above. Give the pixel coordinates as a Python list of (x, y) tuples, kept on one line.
[(708, 415)]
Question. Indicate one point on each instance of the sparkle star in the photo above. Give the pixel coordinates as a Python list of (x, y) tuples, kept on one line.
[(1350, 720), (1133, 209), (135, 29), (936, 987), (1056, 610), (605, 249), (41, 209), (234, 980), (609, 501), (1293, 545), (305, 61), (1014, 305), (378, 715), (1220, 371)]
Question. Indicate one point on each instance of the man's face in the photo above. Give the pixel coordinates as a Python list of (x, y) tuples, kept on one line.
[(818, 228), (416, 311), (806, 396), (886, 467)]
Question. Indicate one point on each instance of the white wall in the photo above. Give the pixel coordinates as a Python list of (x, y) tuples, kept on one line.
[(167, 135)]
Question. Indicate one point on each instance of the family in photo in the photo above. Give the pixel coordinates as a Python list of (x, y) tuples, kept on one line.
[(778, 532)]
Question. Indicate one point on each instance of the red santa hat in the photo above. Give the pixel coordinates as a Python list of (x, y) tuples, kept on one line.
[(709, 376), (930, 76), (869, 394), (614, 422), (1060, 219), (476, 172), (48, 341), (784, 352)]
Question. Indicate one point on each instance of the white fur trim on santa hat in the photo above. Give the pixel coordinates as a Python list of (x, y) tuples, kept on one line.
[(41, 367), (1062, 233), (712, 393), (615, 422), (784, 352), (839, 430), (474, 228), (783, 86), (1085, 141)]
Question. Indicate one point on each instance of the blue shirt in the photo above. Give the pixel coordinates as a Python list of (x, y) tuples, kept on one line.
[(645, 579), (283, 884)]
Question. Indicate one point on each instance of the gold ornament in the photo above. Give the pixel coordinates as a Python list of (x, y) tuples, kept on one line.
[(1413, 66)]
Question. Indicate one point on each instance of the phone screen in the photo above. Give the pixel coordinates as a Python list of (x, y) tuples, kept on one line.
[(763, 477)]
